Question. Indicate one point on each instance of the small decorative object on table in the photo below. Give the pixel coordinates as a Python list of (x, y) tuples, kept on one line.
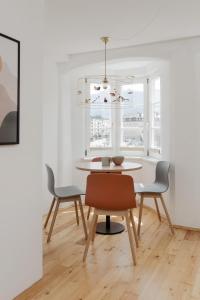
[(105, 161), (118, 160)]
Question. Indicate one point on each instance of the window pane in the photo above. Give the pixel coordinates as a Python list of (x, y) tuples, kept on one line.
[(100, 119), (100, 128), (155, 90), (132, 115), (155, 138), (156, 114), (155, 117), (132, 137), (155, 102)]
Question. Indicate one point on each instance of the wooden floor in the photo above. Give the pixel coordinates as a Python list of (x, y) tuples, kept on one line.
[(167, 267)]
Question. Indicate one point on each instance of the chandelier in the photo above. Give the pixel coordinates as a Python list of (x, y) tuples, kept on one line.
[(105, 89)]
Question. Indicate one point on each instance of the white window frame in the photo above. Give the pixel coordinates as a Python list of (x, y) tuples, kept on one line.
[(96, 151), (116, 128), (154, 151), (135, 151)]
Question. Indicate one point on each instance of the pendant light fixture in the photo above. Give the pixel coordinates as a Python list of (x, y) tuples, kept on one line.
[(104, 90), (105, 40)]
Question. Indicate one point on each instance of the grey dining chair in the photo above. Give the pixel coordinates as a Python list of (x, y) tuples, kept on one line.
[(61, 195), (155, 190)]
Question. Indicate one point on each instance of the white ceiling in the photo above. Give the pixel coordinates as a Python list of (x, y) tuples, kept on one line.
[(128, 66), (74, 26)]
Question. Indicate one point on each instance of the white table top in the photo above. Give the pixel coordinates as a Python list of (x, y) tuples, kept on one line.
[(97, 167)]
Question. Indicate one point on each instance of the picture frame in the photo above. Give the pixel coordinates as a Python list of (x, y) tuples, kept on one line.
[(9, 90)]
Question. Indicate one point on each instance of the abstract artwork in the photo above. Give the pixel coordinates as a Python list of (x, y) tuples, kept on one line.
[(9, 90)]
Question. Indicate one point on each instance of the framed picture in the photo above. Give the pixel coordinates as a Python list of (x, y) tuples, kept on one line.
[(9, 90)]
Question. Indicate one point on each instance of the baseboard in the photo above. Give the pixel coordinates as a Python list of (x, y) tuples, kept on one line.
[(174, 225), (186, 228)]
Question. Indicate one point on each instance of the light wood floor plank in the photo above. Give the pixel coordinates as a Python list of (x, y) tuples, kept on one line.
[(168, 267)]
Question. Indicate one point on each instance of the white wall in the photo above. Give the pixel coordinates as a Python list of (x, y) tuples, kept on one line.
[(50, 123), (180, 126), (20, 171), (56, 125), (64, 132), (185, 135)]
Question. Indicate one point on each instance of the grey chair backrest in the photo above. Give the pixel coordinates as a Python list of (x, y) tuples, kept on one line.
[(162, 171), (50, 180)]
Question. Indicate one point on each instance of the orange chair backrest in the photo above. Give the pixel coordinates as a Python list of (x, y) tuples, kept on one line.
[(110, 191)]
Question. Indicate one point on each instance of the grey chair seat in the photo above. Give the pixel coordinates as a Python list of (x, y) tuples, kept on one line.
[(68, 191), (150, 188)]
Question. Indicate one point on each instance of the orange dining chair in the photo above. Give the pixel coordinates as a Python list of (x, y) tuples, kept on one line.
[(95, 159), (112, 195)]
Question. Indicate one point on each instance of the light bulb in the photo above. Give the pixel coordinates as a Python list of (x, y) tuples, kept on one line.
[(105, 83)]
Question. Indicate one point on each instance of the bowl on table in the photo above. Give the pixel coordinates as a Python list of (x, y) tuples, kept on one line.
[(118, 160)]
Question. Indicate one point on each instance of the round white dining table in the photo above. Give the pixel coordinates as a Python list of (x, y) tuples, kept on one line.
[(108, 227), (97, 167)]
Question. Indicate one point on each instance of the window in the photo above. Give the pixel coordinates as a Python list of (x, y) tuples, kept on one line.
[(154, 103), (132, 117), (133, 128), (100, 120)]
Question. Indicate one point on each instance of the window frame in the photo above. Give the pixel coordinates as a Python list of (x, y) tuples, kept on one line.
[(116, 149), (139, 150), (154, 151), (94, 151)]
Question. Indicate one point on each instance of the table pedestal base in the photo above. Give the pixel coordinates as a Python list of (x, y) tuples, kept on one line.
[(114, 228)]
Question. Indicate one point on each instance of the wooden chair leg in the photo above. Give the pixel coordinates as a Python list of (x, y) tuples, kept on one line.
[(130, 238), (88, 213), (157, 209), (89, 237), (167, 214), (53, 220), (49, 213), (134, 228), (94, 229), (83, 218), (76, 210), (140, 215)]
